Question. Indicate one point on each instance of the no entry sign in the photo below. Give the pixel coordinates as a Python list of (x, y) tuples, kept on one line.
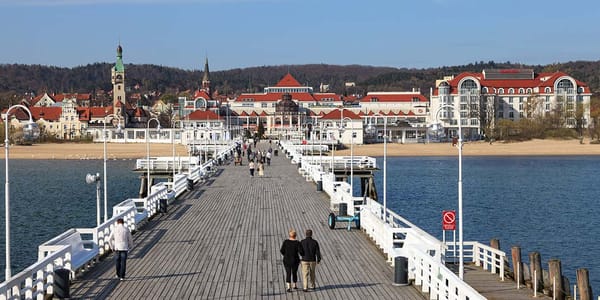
[(448, 220)]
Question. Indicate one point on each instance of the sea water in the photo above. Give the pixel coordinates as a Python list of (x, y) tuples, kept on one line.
[(547, 204)]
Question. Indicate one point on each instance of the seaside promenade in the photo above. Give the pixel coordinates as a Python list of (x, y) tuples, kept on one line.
[(222, 241)]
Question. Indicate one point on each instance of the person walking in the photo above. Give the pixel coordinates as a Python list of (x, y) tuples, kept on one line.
[(268, 155), (120, 242), (261, 169), (310, 259), (251, 167), (291, 249)]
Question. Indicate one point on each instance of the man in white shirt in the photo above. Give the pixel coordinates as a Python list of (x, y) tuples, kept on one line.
[(121, 242)]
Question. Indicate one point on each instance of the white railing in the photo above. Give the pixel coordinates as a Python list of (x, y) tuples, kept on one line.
[(484, 256), (36, 281)]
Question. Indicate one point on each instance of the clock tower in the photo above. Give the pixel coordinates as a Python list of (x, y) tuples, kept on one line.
[(118, 82)]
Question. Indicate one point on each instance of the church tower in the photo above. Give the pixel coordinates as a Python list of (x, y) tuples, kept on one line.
[(118, 82), (206, 80)]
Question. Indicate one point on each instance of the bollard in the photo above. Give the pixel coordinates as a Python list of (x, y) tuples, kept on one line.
[(61, 283), (517, 264), (585, 291), (319, 186), (535, 264), (400, 271)]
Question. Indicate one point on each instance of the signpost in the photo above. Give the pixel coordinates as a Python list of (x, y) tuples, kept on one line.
[(449, 220), (449, 223)]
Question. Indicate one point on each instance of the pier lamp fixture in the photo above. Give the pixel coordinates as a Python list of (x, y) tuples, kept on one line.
[(31, 131), (90, 179), (372, 129), (351, 153), (148, 151), (104, 138), (461, 269)]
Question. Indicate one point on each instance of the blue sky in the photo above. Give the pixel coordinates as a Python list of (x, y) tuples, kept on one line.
[(247, 33)]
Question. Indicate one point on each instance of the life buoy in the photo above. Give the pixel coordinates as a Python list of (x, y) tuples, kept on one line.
[(420, 110)]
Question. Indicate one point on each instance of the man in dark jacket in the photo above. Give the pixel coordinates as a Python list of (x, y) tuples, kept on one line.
[(310, 259)]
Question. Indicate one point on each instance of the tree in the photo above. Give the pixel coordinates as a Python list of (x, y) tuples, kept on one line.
[(260, 131)]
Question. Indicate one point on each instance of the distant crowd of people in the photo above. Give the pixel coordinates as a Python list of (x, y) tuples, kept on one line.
[(257, 158)]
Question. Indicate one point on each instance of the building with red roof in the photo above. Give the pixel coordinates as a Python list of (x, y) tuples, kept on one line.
[(483, 99)]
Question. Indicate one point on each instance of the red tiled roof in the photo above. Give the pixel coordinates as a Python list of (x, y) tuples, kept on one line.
[(337, 114), (201, 94), (48, 113), (202, 115), (288, 81), (244, 114), (394, 97), (100, 112), (263, 114), (541, 80), (254, 114)]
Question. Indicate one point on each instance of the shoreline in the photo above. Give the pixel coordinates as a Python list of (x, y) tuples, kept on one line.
[(68, 151)]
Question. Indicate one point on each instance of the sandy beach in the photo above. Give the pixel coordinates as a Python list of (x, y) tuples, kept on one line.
[(134, 151)]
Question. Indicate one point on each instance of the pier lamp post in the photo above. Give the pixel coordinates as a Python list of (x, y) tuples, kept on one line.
[(30, 131), (119, 130), (351, 155), (461, 269), (148, 151)]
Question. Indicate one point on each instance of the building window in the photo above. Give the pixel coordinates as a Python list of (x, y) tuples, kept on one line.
[(521, 91), (500, 91), (511, 91), (511, 114), (510, 99), (547, 90), (484, 90)]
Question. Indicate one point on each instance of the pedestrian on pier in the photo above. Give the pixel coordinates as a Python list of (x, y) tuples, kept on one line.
[(291, 249), (261, 169), (120, 242), (310, 259), (251, 168), (268, 155)]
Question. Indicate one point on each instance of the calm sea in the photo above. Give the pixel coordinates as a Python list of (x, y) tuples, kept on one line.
[(546, 204)]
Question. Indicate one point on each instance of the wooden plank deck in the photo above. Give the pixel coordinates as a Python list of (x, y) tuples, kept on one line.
[(221, 241), (491, 287)]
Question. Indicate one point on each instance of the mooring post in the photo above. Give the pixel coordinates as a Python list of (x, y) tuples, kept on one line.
[(495, 243), (555, 274), (517, 264), (535, 261), (583, 283)]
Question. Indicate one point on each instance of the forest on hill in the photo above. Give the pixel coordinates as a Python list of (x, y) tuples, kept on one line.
[(16, 79)]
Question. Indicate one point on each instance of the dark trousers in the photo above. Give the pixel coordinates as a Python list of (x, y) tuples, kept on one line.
[(291, 273), (121, 262), (251, 172)]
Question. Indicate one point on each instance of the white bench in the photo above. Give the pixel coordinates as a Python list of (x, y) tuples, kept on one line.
[(83, 252)]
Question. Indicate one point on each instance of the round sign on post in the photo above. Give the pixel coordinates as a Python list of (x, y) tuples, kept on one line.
[(448, 220)]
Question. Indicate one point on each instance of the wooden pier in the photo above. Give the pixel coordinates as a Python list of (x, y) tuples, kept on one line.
[(222, 240)]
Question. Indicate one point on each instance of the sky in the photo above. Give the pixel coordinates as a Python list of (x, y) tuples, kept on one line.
[(248, 33)]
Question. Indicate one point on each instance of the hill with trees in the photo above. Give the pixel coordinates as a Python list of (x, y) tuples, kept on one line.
[(16, 80)]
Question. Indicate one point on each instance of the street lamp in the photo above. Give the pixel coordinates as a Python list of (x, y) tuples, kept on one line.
[(89, 179), (30, 131), (105, 181), (148, 150), (351, 154), (461, 269)]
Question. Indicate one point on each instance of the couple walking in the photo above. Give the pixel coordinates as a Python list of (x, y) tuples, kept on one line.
[(309, 250)]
